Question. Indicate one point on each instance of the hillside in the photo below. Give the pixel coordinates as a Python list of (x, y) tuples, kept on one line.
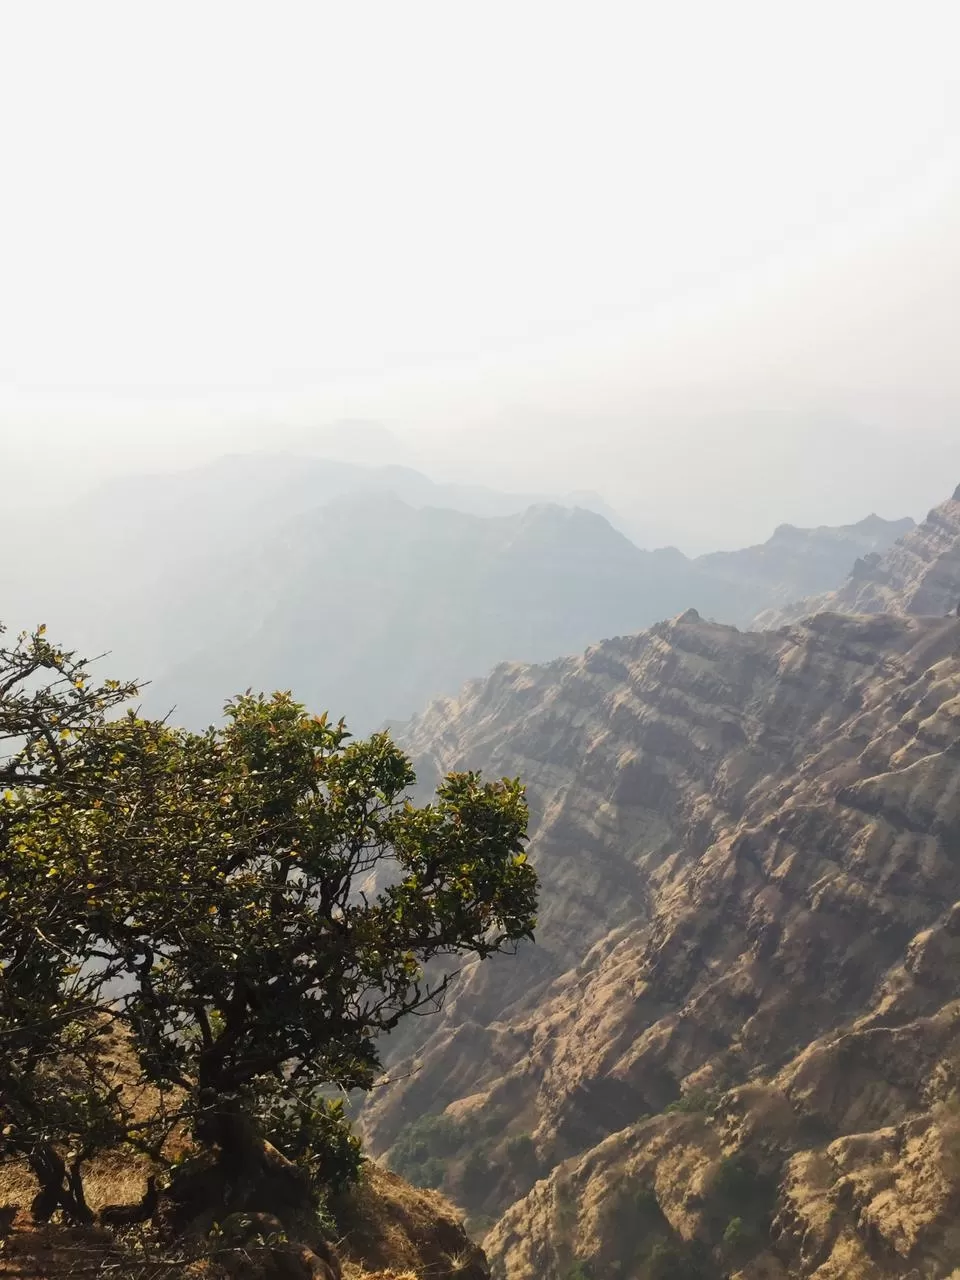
[(387, 1230), (370, 590), (919, 574), (745, 998)]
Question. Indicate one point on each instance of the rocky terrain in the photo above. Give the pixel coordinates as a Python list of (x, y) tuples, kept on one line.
[(735, 1049), (919, 574)]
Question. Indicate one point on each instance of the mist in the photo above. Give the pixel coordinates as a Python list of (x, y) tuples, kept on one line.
[(679, 257)]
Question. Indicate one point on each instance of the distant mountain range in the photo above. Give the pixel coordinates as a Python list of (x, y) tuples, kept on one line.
[(369, 590)]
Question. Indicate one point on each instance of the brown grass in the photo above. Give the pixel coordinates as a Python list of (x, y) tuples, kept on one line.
[(403, 1230), (351, 1272)]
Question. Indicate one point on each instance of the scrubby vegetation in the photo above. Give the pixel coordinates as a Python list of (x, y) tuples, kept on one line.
[(422, 1148), (469, 1157), (693, 1102)]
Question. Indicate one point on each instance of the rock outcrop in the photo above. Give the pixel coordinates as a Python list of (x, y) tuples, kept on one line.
[(737, 1045)]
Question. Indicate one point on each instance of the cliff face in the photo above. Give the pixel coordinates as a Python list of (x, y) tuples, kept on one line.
[(919, 574), (737, 1042)]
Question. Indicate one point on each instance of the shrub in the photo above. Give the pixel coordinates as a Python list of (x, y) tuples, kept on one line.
[(316, 1135), (691, 1103), (478, 1176), (579, 1271), (674, 1260), (423, 1146), (521, 1152)]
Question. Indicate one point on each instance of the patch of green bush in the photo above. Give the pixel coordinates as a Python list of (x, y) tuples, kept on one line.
[(676, 1260), (521, 1152), (739, 1204), (741, 1186), (692, 1103), (579, 1271), (423, 1148), (315, 1133), (479, 1175)]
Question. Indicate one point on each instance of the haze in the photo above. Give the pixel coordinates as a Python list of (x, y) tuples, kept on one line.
[(679, 254)]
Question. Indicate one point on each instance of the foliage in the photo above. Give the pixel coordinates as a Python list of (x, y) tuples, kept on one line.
[(734, 1234), (423, 1147), (262, 897), (739, 1183), (675, 1260), (479, 1175), (645, 1205), (692, 1103), (521, 1152), (739, 1204), (580, 1270), (314, 1133), (53, 1085)]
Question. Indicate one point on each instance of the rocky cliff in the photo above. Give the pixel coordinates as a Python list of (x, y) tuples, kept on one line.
[(736, 1048), (919, 574)]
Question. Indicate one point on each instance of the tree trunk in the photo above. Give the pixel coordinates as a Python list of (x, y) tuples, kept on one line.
[(246, 1174), (60, 1188)]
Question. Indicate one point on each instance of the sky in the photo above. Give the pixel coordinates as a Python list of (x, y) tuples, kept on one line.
[(647, 248)]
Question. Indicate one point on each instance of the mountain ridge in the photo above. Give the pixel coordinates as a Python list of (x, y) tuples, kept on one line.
[(918, 574), (365, 589)]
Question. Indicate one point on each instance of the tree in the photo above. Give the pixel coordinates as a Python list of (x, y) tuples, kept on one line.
[(53, 1086), (264, 898)]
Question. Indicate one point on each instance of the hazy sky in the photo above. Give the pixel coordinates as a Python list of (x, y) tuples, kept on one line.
[(541, 218)]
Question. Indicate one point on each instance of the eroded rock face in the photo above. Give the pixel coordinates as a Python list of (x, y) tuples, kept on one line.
[(919, 574), (749, 847)]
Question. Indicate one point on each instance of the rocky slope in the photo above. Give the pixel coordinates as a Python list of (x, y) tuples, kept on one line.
[(919, 574), (737, 1045)]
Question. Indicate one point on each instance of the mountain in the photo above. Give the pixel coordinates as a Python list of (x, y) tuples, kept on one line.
[(919, 574), (369, 590), (815, 558), (124, 567), (735, 1047), (370, 606)]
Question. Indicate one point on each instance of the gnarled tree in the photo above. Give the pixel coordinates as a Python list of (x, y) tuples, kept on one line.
[(262, 900)]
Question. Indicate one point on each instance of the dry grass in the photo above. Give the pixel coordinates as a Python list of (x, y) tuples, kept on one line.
[(351, 1272), (55, 1253), (118, 1176), (405, 1231), (390, 1230)]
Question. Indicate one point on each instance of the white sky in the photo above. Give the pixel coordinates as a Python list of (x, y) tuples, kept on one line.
[(447, 213)]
